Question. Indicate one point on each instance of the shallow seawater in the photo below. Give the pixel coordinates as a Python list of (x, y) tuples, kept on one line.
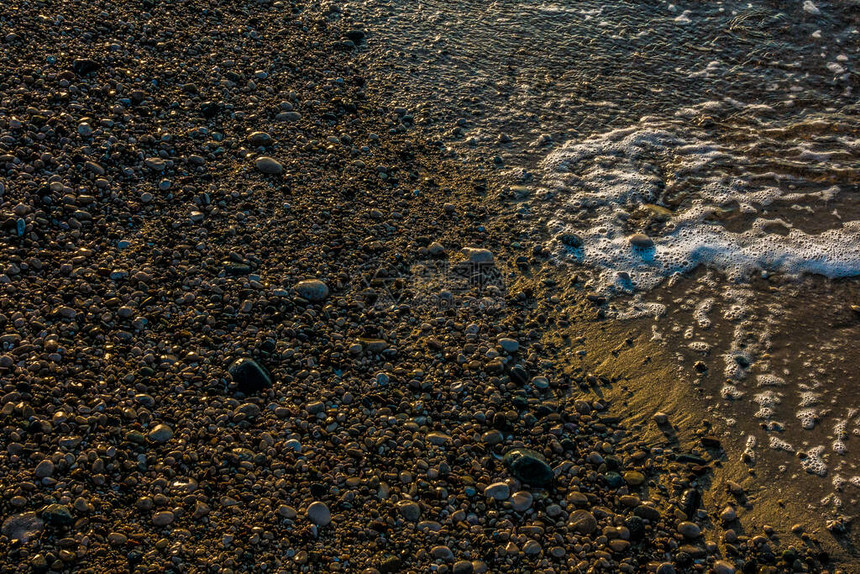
[(726, 134)]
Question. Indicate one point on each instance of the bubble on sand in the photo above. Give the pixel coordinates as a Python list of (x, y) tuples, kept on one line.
[(767, 402), (748, 455), (808, 418), (768, 380), (700, 347), (813, 463), (808, 399), (779, 444), (731, 392), (701, 313)]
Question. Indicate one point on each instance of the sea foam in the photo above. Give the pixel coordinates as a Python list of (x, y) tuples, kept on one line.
[(601, 185)]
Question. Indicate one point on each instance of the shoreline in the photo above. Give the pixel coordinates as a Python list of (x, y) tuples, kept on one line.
[(380, 442)]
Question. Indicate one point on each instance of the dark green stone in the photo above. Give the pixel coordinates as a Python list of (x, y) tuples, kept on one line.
[(249, 376), (529, 466)]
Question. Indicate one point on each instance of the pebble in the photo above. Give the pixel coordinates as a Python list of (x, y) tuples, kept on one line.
[(117, 538), (509, 345), (57, 515), (268, 165), (249, 376), (409, 510), (442, 553), (313, 290), (44, 469), (162, 518), (478, 255), (723, 567), (260, 139), (522, 500), (528, 466), (23, 527), (641, 241), (498, 491), (689, 530), (582, 521), (161, 434), (319, 514), (634, 478)]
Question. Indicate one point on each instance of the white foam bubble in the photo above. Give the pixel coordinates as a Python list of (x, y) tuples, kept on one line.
[(603, 180), (769, 380), (748, 454), (779, 444), (808, 418), (701, 313), (813, 463), (767, 402), (700, 347)]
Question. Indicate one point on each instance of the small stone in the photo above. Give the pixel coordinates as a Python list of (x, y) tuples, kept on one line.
[(438, 438), (319, 514), (571, 240), (634, 478), (665, 568), (409, 510), (498, 491), (260, 139), (249, 376), (477, 255), (201, 509), (57, 515), (519, 375), (528, 466), (728, 515), (522, 500), (436, 249), (735, 488), (117, 538), (162, 518), (541, 383), (161, 434), (582, 521), (268, 165), (641, 241), (509, 345), (390, 564), (313, 290), (647, 512), (661, 418), (723, 567), (463, 567), (44, 469), (689, 530), (492, 437), (156, 164), (442, 553), (23, 527), (84, 66)]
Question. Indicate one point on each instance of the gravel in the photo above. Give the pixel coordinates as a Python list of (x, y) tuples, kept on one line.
[(193, 350)]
